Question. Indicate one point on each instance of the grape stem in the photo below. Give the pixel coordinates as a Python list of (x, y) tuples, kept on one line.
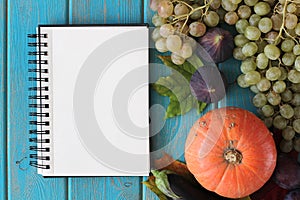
[(282, 29), (186, 16), (188, 5)]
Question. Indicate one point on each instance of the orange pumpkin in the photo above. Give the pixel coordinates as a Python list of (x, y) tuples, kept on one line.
[(231, 152)]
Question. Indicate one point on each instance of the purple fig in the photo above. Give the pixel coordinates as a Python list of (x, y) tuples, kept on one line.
[(293, 195), (218, 43), (207, 84), (287, 172)]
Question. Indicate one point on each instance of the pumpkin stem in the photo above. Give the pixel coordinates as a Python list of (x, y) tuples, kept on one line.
[(233, 156)]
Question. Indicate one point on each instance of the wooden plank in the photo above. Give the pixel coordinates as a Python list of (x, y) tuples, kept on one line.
[(95, 188), (3, 110), (23, 180), (105, 12)]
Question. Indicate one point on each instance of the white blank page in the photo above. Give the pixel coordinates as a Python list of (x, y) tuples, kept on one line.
[(99, 100)]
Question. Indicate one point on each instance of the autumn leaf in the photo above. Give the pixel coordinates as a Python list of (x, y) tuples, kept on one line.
[(150, 183), (177, 88)]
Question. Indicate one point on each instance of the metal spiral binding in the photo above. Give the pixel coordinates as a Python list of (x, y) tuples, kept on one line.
[(38, 104)]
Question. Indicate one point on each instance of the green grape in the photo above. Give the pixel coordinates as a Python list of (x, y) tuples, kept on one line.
[(250, 2), (165, 8), (231, 18), (252, 33), (192, 42), (279, 87), (241, 81), (156, 34), (254, 89), (154, 4), (297, 144), (235, 1), (273, 73), (286, 111), (265, 25), (288, 59), (291, 8), (181, 9), (252, 77), (268, 122), (291, 21), (166, 30), (259, 100), (262, 8), (288, 133), (248, 65), (197, 14), (297, 112), (271, 38), (174, 43), (241, 25), (211, 19), (178, 26), (215, 4), (262, 61), (228, 5), (287, 95), (273, 98), (272, 52), (283, 75), (287, 45), (249, 49), (296, 125), (240, 40), (238, 54), (267, 110), (161, 45), (279, 122), (197, 29), (286, 146), (254, 19), (297, 63), (186, 50), (244, 11), (294, 76), (158, 20), (177, 59), (297, 29), (296, 49), (263, 85), (277, 21), (296, 99), (295, 87)]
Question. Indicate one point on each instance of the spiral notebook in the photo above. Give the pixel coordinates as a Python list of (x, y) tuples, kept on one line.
[(89, 100)]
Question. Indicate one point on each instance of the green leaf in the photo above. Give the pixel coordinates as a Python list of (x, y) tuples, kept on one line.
[(186, 69), (201, 106), (150, 183), (162, 183), (177, 88)]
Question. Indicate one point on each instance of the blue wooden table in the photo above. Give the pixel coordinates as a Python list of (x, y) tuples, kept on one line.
[(19, 181)]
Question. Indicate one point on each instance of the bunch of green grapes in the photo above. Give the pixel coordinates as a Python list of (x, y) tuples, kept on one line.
[(175, 18), (268, 45)]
